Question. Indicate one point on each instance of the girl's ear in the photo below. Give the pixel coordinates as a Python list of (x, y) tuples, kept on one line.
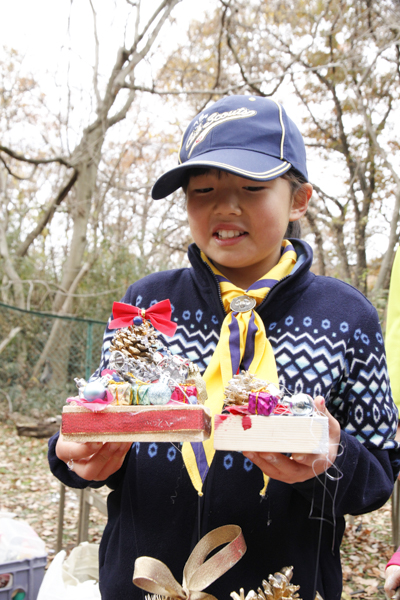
[(300, 201)]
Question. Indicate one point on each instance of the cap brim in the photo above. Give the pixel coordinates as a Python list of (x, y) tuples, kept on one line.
[(244, 163)]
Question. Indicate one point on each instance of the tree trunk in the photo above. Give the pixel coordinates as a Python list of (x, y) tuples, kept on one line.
[(55, 354), (86, 159), (57, 349)]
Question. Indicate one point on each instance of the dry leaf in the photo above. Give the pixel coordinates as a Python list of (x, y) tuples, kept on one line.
[(36, 501)]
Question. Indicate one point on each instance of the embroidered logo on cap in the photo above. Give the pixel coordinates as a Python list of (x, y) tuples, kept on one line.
[(203, 128)]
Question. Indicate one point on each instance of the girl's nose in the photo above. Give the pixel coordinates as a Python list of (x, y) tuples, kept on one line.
[(228, 203)]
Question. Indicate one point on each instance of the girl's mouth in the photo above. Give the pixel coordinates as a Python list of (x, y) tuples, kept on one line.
[(224, 234)]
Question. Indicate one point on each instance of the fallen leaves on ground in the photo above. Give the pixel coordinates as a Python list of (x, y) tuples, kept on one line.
[(366, 548), (28, 489), (32, 493)]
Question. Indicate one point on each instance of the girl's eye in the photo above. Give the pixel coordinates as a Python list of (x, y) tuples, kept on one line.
[(203, 190), (253, 188)]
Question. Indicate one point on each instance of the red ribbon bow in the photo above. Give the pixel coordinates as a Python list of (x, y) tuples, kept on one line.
[(159, 316)]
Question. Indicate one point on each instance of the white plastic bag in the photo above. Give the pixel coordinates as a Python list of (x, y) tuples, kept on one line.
[(74, 578), (19, 541)]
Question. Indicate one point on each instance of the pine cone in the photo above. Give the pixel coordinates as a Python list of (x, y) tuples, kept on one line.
[(238, 389), (136, 341), (278, 587)]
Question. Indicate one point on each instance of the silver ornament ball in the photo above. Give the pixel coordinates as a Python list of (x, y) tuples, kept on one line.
[(94, 390)]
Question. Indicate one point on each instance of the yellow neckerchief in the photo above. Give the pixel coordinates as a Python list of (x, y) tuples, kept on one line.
[(242, 344)]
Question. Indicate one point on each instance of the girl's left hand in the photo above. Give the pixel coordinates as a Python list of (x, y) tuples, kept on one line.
[(392, 580), (300, 467)]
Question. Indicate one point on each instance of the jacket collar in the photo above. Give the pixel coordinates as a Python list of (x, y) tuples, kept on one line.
[(281, 297)]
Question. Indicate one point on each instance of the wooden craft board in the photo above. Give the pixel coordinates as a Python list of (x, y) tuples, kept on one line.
[(186, 423), (276, 433)]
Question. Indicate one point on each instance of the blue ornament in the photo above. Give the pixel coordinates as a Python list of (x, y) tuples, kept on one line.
[(159, 393), (94, 390), (137, 321)]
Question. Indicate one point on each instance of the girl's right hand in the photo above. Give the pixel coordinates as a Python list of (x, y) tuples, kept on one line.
[(93, 461)]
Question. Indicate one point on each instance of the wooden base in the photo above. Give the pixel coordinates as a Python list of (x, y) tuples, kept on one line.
[(276, 433), (183, 423)]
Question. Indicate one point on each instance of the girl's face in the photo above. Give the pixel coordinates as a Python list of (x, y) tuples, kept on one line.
[(240, 223)]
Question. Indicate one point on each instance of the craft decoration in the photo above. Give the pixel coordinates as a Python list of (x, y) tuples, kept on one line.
[(262, 403), (134, 342), (185, 393), (159, 393), (93, 406), (121, 392), (243, 384), (258, 397), (278, 587), (194, 377), (154, 576), (301, 404), (142, 370), (159, 316), (258, 417), (143, 376), (94, 390)]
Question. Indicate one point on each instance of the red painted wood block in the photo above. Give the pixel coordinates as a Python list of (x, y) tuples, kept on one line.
[(137, 423)]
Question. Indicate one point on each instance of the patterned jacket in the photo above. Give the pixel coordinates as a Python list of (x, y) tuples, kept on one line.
[(327, 340)]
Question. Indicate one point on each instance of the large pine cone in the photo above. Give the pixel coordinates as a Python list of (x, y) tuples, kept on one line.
[(277, 587), (135, 341)]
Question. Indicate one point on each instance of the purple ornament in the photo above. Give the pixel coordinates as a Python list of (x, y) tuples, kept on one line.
[(262, 403), (137, 321)]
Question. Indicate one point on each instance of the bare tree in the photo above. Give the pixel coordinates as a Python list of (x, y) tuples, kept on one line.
[(340, 59), (82, 164)]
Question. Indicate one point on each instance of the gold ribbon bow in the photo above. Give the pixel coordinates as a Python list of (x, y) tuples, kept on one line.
[(153, 576)]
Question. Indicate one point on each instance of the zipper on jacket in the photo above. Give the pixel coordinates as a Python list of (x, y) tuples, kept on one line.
[(218, 286), (257, 307), (269, 293)]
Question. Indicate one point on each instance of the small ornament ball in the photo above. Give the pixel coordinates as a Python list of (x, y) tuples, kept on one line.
[(159, 393), (137, 321), (94, 390), (302, 404)]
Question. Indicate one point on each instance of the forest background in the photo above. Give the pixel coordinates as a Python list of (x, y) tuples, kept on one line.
[(81, 147)]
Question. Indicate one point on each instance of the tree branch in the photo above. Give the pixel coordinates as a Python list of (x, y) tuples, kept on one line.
[(135, 56), (35, 161), (96, 54), (10, 172), (47, 215), (9, 267), (198, 92)]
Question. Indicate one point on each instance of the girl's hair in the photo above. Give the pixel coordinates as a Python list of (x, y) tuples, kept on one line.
[(194, 172), (295, 179)]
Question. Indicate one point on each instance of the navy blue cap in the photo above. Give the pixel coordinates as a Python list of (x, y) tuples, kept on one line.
[(249, 136)]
